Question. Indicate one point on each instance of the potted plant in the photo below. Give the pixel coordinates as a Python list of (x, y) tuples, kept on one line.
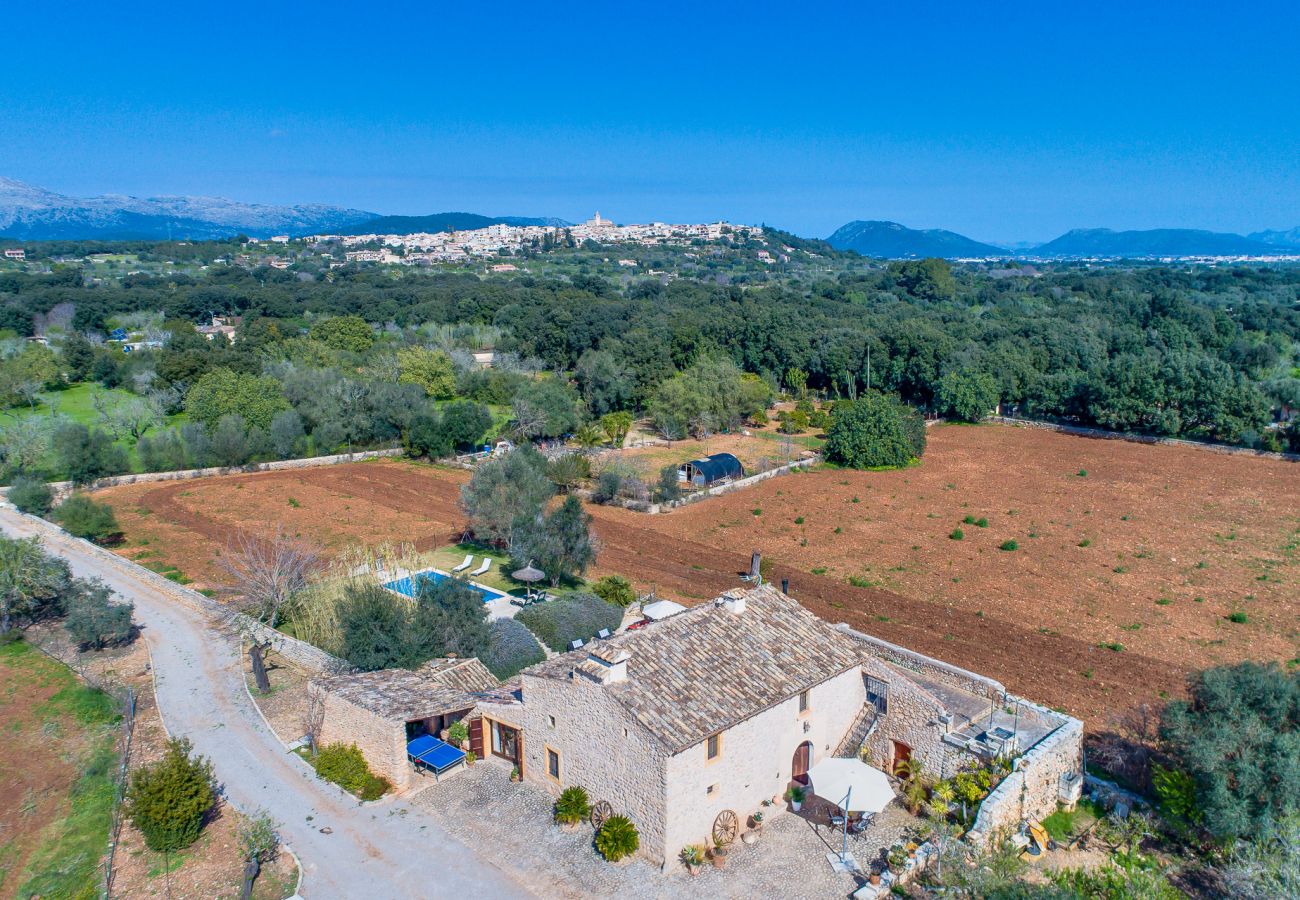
[(911, 849), (795, 796), (458, 735), (470, 758), (693, 858), (756, 820), (572, 807), (896, 858), (874, 877), (719, 855), (515, 775)]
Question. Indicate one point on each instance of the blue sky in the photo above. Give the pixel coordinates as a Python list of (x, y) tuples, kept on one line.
[(1005, 121)]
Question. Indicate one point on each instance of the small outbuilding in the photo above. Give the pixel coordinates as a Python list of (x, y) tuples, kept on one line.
[(714, 469), (384, 713)]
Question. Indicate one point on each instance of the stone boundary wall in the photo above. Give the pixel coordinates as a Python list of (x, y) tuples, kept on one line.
[(1032, 791), (63, 488), (927, 665), (655, 509), (313, 659), (1102, 434)]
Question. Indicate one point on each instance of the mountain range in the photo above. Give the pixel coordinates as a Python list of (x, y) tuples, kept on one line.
[(889, 240), (448, 221), (32, 213)]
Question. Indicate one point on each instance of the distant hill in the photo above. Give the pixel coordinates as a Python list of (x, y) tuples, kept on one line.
[(31, 213), (432, 224), (1103, 242), (1289, 238), (889, 240)]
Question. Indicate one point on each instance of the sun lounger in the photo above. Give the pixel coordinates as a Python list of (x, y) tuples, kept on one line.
[(482, 570), (464, 565)]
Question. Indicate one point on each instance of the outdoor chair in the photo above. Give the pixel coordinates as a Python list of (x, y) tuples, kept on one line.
[(464, 565), (482, 570)]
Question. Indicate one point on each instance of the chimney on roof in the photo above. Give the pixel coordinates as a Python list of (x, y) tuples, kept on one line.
[(610, 665), (733, 603)]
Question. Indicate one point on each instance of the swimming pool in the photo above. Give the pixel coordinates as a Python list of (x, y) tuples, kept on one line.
[(409, 585)]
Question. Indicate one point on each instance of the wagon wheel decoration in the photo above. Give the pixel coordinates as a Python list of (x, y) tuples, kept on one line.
[(725, 828), (599, 813)]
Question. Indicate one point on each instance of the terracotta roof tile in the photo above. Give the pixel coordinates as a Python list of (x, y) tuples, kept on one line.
[(439, 686), (702, 671)]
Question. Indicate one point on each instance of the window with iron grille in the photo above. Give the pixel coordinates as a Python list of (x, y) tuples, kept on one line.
[(878, 694)]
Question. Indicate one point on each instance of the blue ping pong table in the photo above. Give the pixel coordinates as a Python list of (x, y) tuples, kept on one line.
[(426, 751)]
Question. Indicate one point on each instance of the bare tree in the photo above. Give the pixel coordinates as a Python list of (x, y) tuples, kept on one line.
[(265, 573), (313, 719)]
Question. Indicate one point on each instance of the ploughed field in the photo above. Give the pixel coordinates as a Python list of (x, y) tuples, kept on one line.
[(1131, 561)]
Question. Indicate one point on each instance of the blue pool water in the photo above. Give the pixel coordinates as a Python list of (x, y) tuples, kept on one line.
[(408, 585)]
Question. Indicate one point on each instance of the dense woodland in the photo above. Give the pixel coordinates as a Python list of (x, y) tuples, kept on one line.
[(350, 357)]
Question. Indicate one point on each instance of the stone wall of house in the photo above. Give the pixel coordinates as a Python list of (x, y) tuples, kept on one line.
[(602, 748), (1033, 790), (912, 718), (756, 760), (381, 742), (960, 678)]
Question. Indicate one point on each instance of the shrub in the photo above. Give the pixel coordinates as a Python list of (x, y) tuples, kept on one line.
[(344, 765), (169, 800), (873, 431), (957, 534), (84, 518), (668, 487), (1176, 793), (1009, 546), (457, 733), (1238, 617), (93, 621), (607, 487), (511, 648), (617, 838), (31, 495), (258, 839), (1236, 738), (616, 590), (572, 806), (579, 616)]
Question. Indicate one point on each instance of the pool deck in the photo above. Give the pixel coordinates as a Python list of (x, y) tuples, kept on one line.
[(497, 603)]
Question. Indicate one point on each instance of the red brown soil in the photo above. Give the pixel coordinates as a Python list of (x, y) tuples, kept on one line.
[(1161, 524)]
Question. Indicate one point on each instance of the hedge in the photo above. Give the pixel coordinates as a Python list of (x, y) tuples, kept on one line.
[(511, 648), (579, 616)]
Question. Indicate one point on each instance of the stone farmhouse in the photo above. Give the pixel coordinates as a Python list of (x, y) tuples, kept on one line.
[(380, 711), (718, 709)]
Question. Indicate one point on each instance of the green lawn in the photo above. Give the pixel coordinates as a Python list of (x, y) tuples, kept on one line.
[(74, 725), (78, 404), (498, 577), (1064, 825)]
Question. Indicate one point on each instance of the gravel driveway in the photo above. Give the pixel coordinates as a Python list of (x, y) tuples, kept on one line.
[(380, 850)]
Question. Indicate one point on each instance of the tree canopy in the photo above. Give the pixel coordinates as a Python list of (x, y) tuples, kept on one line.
[(875, 430)]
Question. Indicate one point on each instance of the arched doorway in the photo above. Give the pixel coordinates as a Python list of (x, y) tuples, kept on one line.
[(801, 763)]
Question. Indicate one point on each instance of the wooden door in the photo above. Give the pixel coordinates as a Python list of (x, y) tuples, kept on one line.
[(802, 761), (476, 737)]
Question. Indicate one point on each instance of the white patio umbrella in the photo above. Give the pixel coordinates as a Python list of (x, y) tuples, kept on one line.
[(851, 784)]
